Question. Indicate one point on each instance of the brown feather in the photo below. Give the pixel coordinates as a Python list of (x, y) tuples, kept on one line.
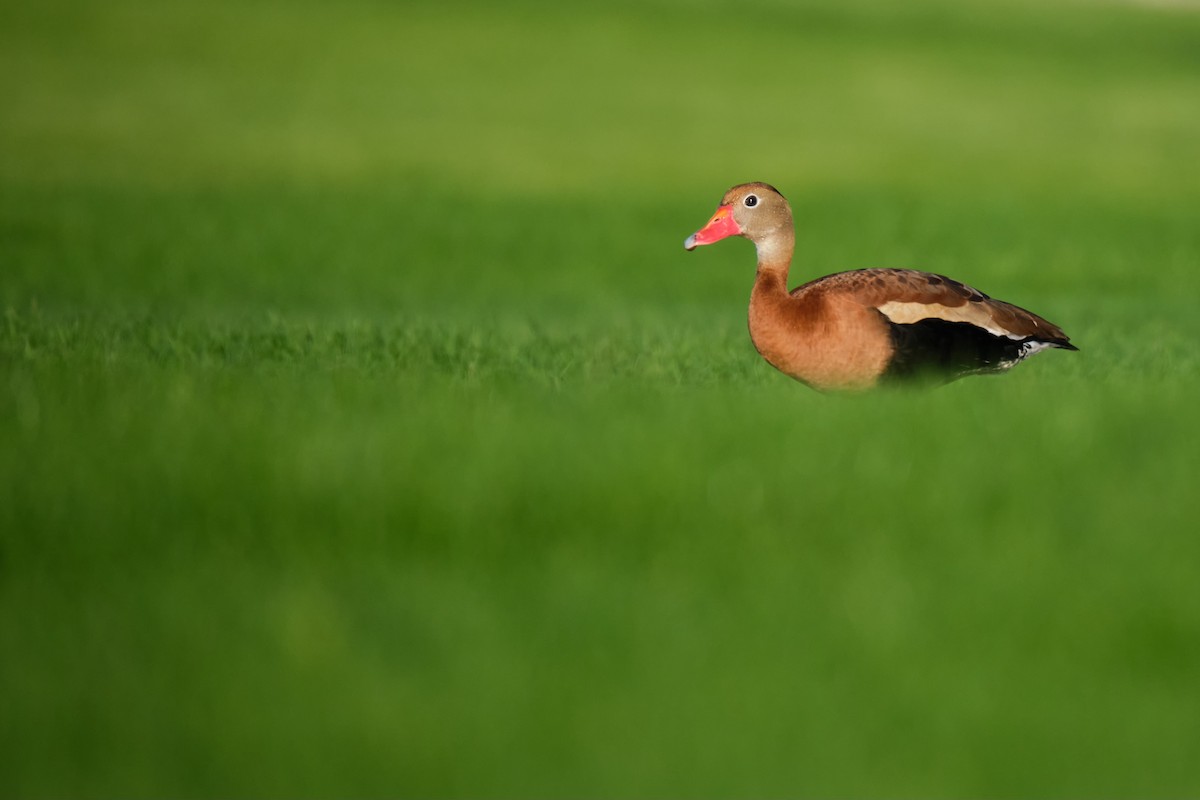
[(909, 295)]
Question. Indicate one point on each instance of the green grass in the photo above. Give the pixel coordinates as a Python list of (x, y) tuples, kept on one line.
[(365, 430)]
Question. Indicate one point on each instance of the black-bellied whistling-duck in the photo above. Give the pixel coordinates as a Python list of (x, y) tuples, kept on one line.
[(857, 329)]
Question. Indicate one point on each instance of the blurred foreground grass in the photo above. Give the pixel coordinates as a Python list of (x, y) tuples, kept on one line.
[(367, 431)]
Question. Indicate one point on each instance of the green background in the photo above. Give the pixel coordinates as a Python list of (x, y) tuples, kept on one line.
[(365, 429)]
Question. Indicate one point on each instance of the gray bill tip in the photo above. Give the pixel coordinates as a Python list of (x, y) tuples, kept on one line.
[(690, 242)]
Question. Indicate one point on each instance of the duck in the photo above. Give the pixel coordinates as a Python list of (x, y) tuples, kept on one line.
[(866, 328)]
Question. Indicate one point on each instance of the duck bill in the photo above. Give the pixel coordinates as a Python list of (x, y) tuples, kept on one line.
[(719, 227)]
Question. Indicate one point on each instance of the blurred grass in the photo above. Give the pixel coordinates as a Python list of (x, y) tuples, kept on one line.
[(367, 431)]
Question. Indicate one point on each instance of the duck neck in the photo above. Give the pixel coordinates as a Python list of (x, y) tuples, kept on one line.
[(773, 318), (775, 259)]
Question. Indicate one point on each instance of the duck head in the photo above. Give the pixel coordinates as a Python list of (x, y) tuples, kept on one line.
[(755, 211)]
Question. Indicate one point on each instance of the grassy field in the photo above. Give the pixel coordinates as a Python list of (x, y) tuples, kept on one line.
[(366, 431)]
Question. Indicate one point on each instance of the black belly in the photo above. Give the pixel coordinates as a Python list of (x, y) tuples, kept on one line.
[(936, 349)]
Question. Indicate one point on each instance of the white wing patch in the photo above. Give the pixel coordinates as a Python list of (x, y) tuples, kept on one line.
[(1031, 347), (908, 313)]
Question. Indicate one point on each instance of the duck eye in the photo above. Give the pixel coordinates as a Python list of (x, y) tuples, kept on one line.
[(751, 201)]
